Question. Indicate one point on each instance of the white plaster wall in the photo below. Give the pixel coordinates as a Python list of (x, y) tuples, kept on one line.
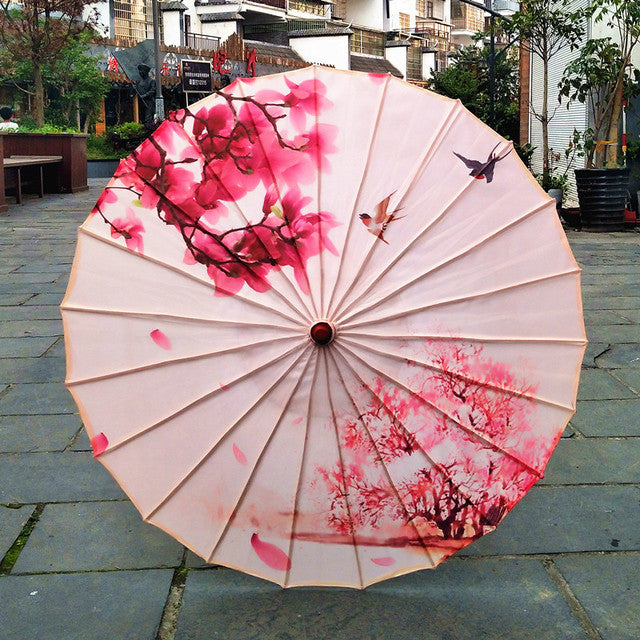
[(428, 64), (329, 50), (220, 29), (171, 28), (397, 56), (366, 13)]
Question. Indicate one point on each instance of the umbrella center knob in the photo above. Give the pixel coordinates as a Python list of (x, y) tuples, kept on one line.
[(322, 332)]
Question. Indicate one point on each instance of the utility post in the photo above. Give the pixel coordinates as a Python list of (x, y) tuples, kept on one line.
[(158, 62)]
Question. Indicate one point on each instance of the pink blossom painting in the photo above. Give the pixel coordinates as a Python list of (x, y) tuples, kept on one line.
[(309, 332)]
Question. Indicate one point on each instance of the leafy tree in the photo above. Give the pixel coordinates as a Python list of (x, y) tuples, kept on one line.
[(467, 79), (602, 77), (78, 85), (544, 28), (38, 32)]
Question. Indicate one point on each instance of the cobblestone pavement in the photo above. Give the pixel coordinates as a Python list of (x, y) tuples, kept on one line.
[(78, 563)]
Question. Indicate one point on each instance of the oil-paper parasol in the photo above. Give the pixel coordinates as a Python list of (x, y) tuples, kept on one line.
[(324, 327)]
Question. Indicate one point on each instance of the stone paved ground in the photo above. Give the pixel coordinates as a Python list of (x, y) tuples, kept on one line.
[(77, 562)]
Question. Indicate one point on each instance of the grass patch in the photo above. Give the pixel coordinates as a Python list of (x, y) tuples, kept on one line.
[(11, 557)]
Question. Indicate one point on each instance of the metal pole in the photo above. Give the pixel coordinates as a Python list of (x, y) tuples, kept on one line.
[(156, 40)]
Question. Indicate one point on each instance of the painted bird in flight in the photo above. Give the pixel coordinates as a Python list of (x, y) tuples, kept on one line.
[(378, 224), (483, 170)]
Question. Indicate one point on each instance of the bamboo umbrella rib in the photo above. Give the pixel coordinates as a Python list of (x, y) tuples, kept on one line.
[(472, 432), (230, 430), (295, 388), (313, 311), (345, 316), (367, 152), (303, 457), (284, 298), (421, 337), (435, 465), (203, 398), (380, 460), (454, 300), (69, 308), (459, 376), (425, 158), (169, 362), (189, 276)]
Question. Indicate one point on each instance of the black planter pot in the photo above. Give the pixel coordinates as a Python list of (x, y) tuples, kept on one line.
[(602, 194)]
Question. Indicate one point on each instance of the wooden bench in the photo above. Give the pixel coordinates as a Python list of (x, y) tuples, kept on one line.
[(14, 165)]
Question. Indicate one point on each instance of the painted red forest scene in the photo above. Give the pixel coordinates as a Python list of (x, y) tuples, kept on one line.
[(464, 422)]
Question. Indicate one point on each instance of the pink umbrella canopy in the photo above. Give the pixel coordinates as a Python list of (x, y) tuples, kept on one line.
[(324, 327)]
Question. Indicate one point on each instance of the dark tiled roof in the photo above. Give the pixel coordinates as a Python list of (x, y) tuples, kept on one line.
[(276, 50), (396, 43), (220, 17), (173, 5), (342, 31), (370, 64)]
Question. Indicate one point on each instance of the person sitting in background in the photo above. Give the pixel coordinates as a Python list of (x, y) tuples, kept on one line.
[(7, 124)]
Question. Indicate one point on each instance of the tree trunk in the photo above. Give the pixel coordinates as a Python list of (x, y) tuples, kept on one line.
[(616, 110), (546, 169), (38, 89)]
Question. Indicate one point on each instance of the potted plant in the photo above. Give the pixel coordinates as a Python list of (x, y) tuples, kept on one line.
[(601, 78)]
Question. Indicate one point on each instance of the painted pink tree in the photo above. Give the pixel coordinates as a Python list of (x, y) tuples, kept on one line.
[(198, 163), (446, 457)]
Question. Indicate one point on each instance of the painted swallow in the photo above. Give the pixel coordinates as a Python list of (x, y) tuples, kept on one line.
[(378, 224), (483, 170)]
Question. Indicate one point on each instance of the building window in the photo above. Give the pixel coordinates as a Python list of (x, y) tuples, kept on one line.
[(405, 22), (414, 61), (369, 42), (307, 6), (132, 20), (424, 8)]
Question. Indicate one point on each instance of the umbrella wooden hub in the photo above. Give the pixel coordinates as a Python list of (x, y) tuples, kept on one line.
[(322, 332)]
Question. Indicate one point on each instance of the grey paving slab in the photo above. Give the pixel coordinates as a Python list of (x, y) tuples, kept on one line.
[(596, 384), (607, 586), (630, 377), (57, 351), (122, 605), (11, 299), (37, 433), (25, 347), (620, 356), (610, 302), (35, 399), (594, 461), (42, 277), (591, 317), (45, 369), (82, 442), (566, 520), (11, 522), (30, 328), (45, 298), (608, 418), (593, 352), (24, 312), (633, 315), (44, 266), (457, 600), (94, 536), (54, 477), (613, 333)]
